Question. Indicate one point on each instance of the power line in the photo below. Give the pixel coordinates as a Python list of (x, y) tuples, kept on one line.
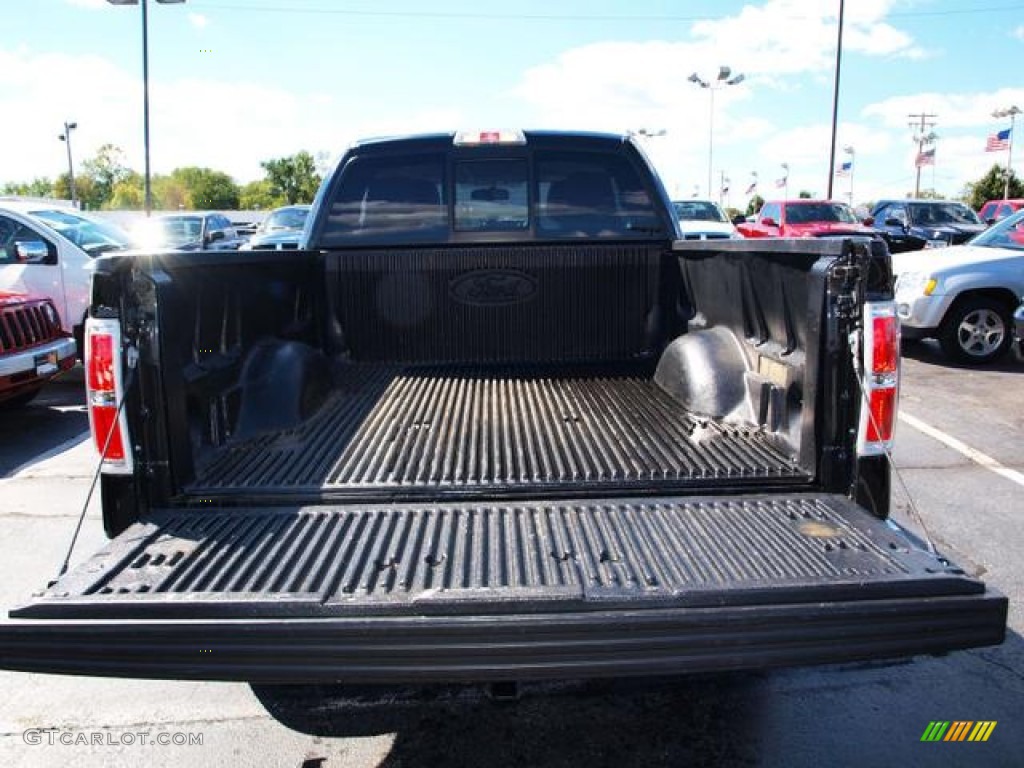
[(447, 15)]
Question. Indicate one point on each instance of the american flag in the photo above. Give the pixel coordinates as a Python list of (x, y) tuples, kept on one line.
[(751, 188), (927, 157), (845, 169), (997, 142), (780, 183)]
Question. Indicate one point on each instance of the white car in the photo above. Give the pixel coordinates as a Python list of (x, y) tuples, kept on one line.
[(703, 220), (47, 249), (964, 295)]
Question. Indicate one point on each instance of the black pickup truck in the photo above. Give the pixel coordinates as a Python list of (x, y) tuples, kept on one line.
[(495, 422)]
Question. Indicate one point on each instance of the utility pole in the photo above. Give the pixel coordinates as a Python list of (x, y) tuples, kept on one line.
[(924, 123)]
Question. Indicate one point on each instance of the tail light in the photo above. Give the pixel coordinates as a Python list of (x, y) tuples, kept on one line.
[(881, 378), (104, 390)]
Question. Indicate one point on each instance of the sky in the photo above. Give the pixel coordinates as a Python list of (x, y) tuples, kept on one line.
[(235, 82)]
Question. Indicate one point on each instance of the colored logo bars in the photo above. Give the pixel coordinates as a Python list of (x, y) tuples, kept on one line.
[(958, 730)]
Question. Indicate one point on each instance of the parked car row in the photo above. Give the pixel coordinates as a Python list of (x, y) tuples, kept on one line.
[(46, 258), (960, 281), (965, 295)]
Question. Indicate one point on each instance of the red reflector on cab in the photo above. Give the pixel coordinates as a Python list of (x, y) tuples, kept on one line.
[(477, 138)]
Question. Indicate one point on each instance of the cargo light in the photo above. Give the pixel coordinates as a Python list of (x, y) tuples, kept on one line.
[(105, 390), (477, 138), (880, 379)]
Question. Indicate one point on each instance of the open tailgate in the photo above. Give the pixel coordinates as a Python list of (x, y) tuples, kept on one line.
[(495, 591)]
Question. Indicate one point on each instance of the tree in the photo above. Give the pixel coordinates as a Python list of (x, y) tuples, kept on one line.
[(805, 195), (38, 187), (169, 194), (754, 205), (128, 194), (991, 186), (293, 178), (106, 169), (206, 188), (259, 195), (85, 191)]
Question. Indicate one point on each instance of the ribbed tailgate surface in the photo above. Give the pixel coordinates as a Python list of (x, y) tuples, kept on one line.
[(394, 429), (379, 559)]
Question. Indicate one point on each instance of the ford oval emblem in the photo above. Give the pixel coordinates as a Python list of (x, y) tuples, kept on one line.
[(491, 287)]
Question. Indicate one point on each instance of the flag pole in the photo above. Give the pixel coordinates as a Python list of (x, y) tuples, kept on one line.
[(1011, 113), (1009, 157)]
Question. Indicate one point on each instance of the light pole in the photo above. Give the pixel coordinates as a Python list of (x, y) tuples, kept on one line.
[(835, 100), (145, 87), (725, 77), (66, 138), (1010, 112)]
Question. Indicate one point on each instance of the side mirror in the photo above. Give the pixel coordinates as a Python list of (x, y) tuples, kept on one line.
[(31, 251), (217, 234), (991, 221), (869, 221), (768, 221), (741, 219), (893, 222)]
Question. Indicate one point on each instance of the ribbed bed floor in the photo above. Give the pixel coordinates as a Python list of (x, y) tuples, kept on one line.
[(398, 430)]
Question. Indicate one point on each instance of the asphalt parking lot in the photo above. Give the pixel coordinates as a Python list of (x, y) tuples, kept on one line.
[(959, 446)]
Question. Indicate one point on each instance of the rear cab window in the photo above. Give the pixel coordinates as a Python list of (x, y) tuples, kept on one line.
[(467, 194)]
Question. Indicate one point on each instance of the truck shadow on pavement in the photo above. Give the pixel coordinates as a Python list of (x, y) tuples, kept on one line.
[(845, 715), (694, 720), (30, 432)]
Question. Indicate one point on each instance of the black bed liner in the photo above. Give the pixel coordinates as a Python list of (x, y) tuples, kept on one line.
[(388, 429), (355, 560), (400, 594)]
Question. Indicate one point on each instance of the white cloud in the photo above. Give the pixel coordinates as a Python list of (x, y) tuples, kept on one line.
[(198, 20), (953, 110), (1018, 32), (783, 45), (106, 102)]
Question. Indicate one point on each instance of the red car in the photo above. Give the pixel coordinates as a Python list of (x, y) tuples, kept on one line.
[(33, 347), (805, 218), (994, 210)]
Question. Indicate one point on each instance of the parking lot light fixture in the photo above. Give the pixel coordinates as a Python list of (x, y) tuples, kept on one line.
[(725, 78), (145, 88), (66, 138)]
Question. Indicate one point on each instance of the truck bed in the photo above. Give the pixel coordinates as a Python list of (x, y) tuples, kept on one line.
[(408, 430)]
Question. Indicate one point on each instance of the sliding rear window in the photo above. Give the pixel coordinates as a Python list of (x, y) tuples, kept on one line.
[(423, 199)]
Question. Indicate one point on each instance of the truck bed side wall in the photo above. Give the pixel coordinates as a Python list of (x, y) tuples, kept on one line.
[(249, 343)]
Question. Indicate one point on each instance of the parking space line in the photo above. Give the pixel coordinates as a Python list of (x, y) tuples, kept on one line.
[(962, 448)]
